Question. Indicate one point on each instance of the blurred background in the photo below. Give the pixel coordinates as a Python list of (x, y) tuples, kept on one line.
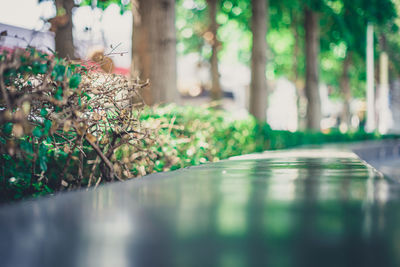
[(311, 64)]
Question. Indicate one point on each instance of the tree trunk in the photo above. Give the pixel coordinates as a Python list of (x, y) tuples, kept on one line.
[(216, 92), (296, 20), (296, 50), (346, 92), (258, 86), (63, 29), (311, 25), (154, 49)]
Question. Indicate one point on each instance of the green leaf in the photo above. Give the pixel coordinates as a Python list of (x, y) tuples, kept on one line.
[(42, 149), (69, 72), (47, 126), (36, 66), (43, 68), (37, 132), (7, 129), (59, 94), (48, 189), (58, 72), (43, 164), (87, 96), (74, 81), (26, 146), (6, 157), (43, 112), (43, 157), (118, 154), (43, 55)]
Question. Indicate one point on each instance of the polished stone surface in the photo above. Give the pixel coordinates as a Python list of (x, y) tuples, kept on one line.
[(383, 155), (289, 208)]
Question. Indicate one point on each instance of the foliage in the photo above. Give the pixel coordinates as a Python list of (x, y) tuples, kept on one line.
[(343, 26), (191, 135), (103, 4), (64, 127), (58, 118), (197, 135)]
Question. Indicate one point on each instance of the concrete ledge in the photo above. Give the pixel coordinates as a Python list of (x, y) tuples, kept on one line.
[(382, 155), (301, 207)]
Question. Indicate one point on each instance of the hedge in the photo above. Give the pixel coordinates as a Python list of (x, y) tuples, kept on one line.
[(65, 127)]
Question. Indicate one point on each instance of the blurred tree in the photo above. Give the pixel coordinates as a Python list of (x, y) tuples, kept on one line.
[(347, 30), (202, 24), (298, 58), (154, 49), (344, 36), (62, 25), (342, 42), (286, 40), (191, 26), (211, 36), (258, 86), (153, 45), (312, 47), (340, 48)]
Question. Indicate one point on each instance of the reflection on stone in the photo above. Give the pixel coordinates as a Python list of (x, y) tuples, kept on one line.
[(295, 208)]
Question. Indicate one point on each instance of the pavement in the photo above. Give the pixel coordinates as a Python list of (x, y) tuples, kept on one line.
[(301, 207)]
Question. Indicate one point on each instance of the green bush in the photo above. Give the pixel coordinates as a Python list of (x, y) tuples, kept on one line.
[(64, 127), (191, 135), (33, 91), (194, 135)]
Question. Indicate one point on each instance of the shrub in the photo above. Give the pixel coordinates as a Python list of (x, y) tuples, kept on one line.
[(64, 126), (192, 135)]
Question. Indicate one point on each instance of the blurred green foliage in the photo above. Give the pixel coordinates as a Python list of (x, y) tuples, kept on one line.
[(199, 135), (185, 136), (343, 29), (182, 137)]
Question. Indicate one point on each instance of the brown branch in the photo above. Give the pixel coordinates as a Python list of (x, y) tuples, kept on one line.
[(103, 158), (96, 162)]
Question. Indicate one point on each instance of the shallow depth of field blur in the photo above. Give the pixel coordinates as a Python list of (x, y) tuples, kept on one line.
[(180, 83), (107, 26)]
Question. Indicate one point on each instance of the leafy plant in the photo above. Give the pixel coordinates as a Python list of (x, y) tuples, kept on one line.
[(58, 119), (64, 127)]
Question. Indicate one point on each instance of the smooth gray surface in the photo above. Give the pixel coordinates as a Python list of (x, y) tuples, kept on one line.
[(382, 155), (289, 208)]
